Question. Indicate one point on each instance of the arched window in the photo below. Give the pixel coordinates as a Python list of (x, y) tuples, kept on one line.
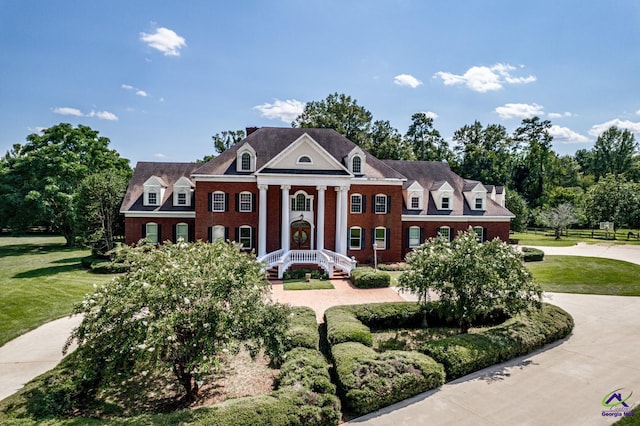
[(245, 162), (444, 232), (305, 159), (151, 233), (218, 201), (414, 236), (301, 202), (217, 233), (356, 164), (479, 230), (182, 232), (381, 204), (245, 201)]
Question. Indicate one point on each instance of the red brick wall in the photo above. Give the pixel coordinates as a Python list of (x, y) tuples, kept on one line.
[(231, 218), (133, 228), (493, 230), (370, 220)]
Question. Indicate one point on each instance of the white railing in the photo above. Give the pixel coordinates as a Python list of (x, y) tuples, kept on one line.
[(326, 259)]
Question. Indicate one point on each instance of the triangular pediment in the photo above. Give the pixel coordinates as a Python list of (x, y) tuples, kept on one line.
[(304, 154), (155, 181)]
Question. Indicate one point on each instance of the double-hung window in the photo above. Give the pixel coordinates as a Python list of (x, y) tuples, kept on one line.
[(218, 201), (246, 199), (414, 236), (356, 203), (381, 204)]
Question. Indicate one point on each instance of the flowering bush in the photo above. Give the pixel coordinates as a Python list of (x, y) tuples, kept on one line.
[(470, 278), (178, 308)]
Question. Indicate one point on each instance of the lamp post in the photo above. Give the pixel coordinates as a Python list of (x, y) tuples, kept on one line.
[(375, 257)]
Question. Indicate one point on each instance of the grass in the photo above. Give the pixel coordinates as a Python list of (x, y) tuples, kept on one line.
[(539, 239), (546, 238), (302, 284), (587, 275), (40, 280)]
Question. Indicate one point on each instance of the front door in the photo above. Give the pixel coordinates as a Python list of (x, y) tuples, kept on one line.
[(300, 235)]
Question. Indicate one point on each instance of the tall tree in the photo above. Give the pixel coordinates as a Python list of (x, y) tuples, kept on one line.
[(484, 154), (40, 179), (517, 205), (559, 218), (613, 199), (613, 152), (339, 112), (223, 141), (98, 205), (386, 143), (426, 142), (531, 172)]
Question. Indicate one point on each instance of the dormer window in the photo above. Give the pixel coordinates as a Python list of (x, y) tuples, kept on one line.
[(356, 165), (182, 198), (415, 202), (246, 158), (182, 190), (152, 198), (245, 162), (479, 203), (445, 203)]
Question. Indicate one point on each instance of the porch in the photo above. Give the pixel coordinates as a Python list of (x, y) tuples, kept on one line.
[(327, 260)]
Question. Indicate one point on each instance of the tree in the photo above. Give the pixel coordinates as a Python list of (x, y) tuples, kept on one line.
[(98, 205), (426, 142), (339, 112), (471, 278), (517, 205), (180, 308), (385, 143), (531, 172), (223, 141), (613, 199), (484, 154), (613, 152), (40, 179), (559, 218)]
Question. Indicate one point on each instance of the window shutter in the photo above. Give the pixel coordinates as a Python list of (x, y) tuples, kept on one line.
[(388, 204), (421, 236), (226, 202), (237, 202), (364, 203), (144, 231), (452, 234), (254, 238), (175, 232), (373, 235), (363, 238), (484, 234), (388, 240), (237, 235), (160, 234), (210, 201), (408, 236), (226, 233), (192, 233), (253, 202), (210, 234)]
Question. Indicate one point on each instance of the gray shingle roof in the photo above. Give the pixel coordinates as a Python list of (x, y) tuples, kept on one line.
[(169, 173)]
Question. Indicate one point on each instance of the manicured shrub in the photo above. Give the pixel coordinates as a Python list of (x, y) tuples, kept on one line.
[(531, 254), (393, 266), (109, 267), (465, 353), (369, 278), (368, 381), (305, 368), (296, 274), (343, 326), (388, 315), (303, 330)]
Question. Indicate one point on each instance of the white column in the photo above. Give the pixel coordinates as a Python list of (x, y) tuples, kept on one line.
[(338, 219), (262, 221), (343, 221), (320, 219), (286, 228)]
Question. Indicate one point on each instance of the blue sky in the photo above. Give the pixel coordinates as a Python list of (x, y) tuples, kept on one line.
[(159, 78)]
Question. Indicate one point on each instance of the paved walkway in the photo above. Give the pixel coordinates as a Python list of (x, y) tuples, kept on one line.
[(629, 253), (561, 385)]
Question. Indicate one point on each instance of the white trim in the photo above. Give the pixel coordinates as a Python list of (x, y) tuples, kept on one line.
[(151, 214), (186, 240), (445, 218), (375, 237), (377, 181), (224, 178), (251, 207), (359, 228)]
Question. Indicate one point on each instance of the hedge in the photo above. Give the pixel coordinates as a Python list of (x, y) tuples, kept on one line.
[(369, 278), (465, 353), (394, 266), (368, 381), (532, 254), (303, 331), (343, 326)]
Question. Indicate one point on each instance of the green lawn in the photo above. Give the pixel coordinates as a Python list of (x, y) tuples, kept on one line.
[(40, 280), (540, 238), (302, 284), (589, 275)]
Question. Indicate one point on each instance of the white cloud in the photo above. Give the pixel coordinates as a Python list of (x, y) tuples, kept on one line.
[(520, 110), (567, 135), (127, 87), (598, 129), (406, 80), (638, 112), (102, 115), (141, 93), (164, 40), (68, 111), (286, 111), (138, 91), (559, 114), (159, 155), (430, 114), (484, 79)]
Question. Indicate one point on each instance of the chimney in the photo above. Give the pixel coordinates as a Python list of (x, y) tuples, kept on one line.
[(251, 130)]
